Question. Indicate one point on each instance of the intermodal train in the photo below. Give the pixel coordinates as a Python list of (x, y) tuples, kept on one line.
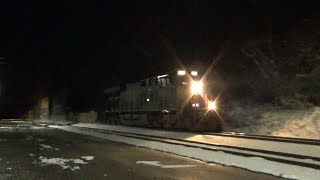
[(179, 100)]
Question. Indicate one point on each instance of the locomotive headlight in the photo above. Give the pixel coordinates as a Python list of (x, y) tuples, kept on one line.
[(196, 87), (212, 105), (181, 72), (194, 73)]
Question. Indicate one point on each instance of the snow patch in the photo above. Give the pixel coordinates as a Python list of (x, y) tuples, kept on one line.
[(79, 161), (44, 146), (5, 127), (63, 163), (88, 158), (75, 168), (37, 127)]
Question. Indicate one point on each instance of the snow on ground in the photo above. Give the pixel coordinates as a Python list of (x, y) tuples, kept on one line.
[(44, 146), (88, 158), (52, 121), (251, 163), (5, 127), (264, 120), (157, 163), (36, 127), (71, 164)]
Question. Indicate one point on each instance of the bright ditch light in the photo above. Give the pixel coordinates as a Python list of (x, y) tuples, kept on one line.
[(212, 105), (196, 87)]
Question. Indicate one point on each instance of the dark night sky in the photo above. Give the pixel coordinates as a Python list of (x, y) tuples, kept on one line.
[(89, 45)]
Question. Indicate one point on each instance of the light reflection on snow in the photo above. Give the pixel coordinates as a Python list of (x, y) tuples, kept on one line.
[(157, 163)]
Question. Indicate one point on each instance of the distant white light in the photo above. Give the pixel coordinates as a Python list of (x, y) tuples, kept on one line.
[(148, 99), (212, 105), (181, 72), (194, 73), (165, 111), (195, 105)]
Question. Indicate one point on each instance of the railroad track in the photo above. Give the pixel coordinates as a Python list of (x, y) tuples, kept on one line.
[(250, 136), (287, 158), (267, 138)]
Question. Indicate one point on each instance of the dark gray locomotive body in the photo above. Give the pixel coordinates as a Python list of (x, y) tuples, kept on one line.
[(177, 100)]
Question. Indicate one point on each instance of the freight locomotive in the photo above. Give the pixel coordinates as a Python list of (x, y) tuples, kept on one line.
[(176, 100)]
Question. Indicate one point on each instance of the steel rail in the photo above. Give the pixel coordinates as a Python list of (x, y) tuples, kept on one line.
[(249, 136)]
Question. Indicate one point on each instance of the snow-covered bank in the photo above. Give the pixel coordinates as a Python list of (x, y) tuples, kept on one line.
[(265, 120), (252, 163)]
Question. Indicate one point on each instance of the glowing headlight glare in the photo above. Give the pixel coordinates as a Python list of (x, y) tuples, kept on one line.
[(181, 72), (196, 87), (194, 73), (212, 105)]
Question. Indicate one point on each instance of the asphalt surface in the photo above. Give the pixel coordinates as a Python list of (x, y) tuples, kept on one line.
[(27, 152)]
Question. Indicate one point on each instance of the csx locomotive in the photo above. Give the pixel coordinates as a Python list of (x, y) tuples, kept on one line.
[(177, 100)]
